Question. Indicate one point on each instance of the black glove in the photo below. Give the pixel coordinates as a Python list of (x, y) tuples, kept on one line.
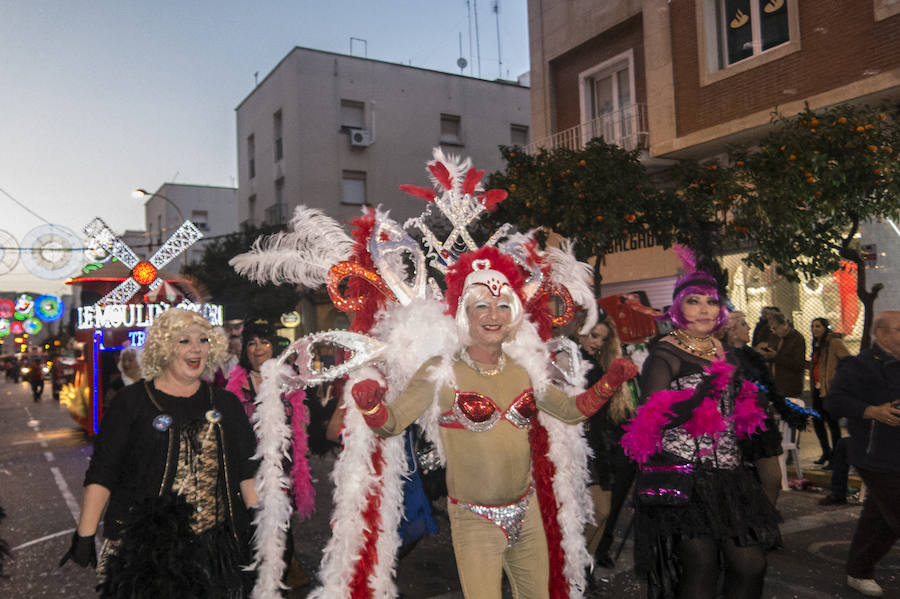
[(83, 551)]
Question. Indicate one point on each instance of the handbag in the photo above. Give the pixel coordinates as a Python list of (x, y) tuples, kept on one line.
[(668, 485)]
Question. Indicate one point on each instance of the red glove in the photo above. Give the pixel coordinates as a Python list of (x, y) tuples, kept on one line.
[(619, 371), (369, 398), (593, 399)]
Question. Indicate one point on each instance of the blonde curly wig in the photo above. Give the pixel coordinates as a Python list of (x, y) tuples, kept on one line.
[(159, 348)]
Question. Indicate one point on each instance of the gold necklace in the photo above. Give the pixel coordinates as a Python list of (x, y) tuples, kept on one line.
[(681, 337), (494, 371)]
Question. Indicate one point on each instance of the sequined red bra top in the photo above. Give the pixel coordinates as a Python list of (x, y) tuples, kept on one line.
[(478, 413)]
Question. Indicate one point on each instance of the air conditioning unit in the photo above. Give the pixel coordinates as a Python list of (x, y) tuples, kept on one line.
[(361, 138)]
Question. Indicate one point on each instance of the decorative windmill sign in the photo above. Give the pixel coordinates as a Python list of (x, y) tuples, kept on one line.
[(143, 272)]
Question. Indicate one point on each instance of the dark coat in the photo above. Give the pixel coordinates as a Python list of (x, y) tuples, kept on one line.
[(789, 364), (870, 379), (130, 454)]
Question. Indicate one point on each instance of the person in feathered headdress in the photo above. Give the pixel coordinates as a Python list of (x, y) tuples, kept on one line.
[(487, 403), (696, 498)]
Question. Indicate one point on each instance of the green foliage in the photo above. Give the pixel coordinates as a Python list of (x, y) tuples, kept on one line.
[(594, 196), (813, 180), (241, 297), (697, 213)]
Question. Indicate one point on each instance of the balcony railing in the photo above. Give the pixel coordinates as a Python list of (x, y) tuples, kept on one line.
[(626, 128)]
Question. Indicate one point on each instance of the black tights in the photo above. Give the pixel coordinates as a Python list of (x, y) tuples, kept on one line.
[(745, 569)]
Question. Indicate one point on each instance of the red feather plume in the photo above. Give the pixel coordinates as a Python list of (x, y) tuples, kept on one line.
[(473, 178), (420, 192), (442, 175), (492, 198)]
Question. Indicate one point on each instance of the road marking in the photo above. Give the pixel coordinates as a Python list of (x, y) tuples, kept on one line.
[(65, 492), (49, 456), (61, 533)]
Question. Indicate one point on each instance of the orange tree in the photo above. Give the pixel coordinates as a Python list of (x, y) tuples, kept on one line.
[(593, 196), (813, 180)]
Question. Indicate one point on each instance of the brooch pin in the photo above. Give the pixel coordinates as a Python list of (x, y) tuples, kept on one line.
[(213, 416), (162, 422)]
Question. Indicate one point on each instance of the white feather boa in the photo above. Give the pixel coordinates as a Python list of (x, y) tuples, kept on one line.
[(272, 484)]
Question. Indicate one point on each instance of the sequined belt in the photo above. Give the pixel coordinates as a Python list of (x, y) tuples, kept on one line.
[(508, 517)]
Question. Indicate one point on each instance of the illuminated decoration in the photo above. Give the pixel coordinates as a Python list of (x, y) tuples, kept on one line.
[(137, 338), (7, 308), (48, 308), (4, 327), (144, 273), (98, 231), (9, 253), (341, 271), (32, 325), (139, 315), (290, 319), (16, 328), (97, 403), (51, 252), (24, 307)]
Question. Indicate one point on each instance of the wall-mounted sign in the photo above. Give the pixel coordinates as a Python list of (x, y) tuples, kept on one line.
[(290, 319), (139, 315)]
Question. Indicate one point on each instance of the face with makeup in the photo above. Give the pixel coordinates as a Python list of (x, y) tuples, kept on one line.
[(258, 351), (191, 354), (489, 318), (700, 313), (594, 340)]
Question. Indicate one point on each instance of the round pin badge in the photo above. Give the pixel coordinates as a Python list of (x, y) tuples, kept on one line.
[(162, 422), (213, 416)]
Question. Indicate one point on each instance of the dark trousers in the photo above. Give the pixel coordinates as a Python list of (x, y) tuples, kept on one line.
[(819, 425), (879, 524), (37, 388), (624, 471), (840, 469)]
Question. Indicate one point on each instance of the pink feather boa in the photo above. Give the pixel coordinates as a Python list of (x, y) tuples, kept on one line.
[(304, 493), (644, 433)]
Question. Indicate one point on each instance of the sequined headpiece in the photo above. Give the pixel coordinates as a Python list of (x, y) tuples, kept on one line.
[(483, 274)]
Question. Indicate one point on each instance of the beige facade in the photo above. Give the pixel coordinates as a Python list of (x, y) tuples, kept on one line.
[(336, 132)]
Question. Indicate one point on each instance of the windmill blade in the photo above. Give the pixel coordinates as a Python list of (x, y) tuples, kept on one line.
[(121, 294), (107, 239), (183, 238)]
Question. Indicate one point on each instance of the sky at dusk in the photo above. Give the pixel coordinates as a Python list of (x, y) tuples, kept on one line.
[(103, 96)]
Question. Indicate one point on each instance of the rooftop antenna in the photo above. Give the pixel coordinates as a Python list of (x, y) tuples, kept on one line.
[(255, 78), (461, 62), (365, 46), (477, 36), (471, 63), (499, 55)]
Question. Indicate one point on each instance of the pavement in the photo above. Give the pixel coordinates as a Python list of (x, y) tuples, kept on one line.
[(43, 456)]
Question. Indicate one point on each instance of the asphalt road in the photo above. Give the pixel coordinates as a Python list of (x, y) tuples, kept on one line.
[(43, 456)]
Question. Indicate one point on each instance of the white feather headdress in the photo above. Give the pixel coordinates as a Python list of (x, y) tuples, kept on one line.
[(302, 256)]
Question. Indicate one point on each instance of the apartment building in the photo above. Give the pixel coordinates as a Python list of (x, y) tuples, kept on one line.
[(340, 132), (684, 79)]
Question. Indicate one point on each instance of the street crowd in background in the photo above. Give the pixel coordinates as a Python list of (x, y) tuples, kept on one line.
[(682, 441)]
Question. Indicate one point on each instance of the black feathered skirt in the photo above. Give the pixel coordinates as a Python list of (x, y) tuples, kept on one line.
[(724, 504), (159, 555)]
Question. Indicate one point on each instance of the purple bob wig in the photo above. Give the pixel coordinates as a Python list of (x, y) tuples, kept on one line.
[(694, 282)]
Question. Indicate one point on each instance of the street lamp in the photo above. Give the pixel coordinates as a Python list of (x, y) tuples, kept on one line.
[(141, 193)]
